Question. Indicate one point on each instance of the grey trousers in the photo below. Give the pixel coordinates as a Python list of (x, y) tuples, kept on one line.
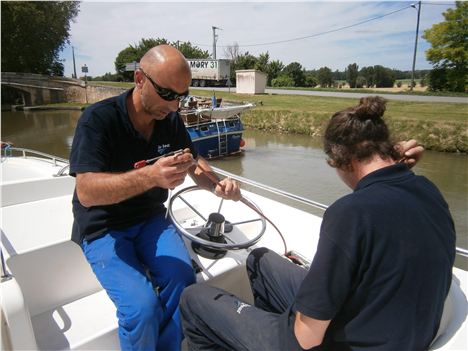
[(214, 319)]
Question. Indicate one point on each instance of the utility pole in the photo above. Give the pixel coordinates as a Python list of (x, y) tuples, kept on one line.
[(415, 43), (74, 66), (215, 39), (84, 69)]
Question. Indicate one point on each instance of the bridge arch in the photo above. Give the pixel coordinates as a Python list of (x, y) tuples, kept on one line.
[(39, 89)]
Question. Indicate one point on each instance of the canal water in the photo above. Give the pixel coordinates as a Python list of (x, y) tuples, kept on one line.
[(293, 163)]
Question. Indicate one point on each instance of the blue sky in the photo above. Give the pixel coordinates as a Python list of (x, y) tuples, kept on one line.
[(102, 29)]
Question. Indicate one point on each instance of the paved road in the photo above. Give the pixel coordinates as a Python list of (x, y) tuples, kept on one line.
[(418, 98)]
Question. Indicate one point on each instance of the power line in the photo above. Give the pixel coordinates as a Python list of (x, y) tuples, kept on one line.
[(317, 34)]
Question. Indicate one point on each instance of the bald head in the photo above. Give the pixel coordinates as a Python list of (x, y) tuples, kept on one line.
[(167, 66)]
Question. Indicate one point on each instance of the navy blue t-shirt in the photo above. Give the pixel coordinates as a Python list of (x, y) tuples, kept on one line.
[(106, 141), (383, 266)]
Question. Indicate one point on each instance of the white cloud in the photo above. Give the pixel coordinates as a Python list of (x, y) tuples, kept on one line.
[(103, 29)]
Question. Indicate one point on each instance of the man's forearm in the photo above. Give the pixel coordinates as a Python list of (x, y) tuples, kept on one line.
[(95, 189)]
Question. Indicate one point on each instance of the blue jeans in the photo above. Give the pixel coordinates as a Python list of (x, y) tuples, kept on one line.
[(147, 308)]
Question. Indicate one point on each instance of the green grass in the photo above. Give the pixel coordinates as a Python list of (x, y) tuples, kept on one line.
[(67, 104), (113, 84)]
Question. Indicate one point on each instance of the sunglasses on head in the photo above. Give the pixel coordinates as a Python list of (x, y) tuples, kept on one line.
[(165, 93)]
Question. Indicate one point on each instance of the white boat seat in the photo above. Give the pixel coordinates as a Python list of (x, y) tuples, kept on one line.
[(52, 282), (453, 324), (89, 323)]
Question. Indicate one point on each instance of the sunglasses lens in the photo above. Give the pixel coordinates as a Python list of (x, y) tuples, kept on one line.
[(170, 95)]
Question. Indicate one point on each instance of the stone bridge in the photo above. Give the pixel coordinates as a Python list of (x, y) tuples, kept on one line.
[(37, 89)]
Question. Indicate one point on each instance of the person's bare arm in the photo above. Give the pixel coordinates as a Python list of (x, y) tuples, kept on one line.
[(95, 189), (309, 331)]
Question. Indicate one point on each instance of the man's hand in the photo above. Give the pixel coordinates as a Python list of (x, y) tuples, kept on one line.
[(228, 189), (171, 171), (411, 153)]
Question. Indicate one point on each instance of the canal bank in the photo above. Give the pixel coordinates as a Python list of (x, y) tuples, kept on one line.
[(448, 136)]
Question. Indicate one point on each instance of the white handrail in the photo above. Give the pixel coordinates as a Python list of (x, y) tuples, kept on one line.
[(9, 149), (462, 252), (271, 189)]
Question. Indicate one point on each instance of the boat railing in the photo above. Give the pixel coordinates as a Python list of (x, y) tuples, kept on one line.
[(462, 252), (271, 189), (5, 275), (9, 150), (459, 251)]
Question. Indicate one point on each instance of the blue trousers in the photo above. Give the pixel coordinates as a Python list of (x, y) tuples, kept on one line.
[(147, 308)]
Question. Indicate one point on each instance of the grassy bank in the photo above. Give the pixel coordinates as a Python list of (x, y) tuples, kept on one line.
[(438, 126)]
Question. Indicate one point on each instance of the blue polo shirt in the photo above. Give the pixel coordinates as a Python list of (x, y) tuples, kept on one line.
[(106, 141), (383, 266)]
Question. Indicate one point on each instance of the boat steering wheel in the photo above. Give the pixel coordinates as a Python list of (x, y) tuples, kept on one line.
[(212, 235)]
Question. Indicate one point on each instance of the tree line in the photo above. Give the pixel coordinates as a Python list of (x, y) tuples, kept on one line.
[(278, 74), (34, 33)]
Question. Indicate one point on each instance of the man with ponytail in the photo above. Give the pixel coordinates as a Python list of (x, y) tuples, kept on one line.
[(382, 269)]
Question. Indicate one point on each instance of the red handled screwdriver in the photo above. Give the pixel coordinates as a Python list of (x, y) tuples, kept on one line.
[(144, 163)]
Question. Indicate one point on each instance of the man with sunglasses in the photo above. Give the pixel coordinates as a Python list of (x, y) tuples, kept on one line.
[(120, 223)]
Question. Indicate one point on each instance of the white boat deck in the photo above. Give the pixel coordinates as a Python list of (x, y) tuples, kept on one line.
[(52, 301)]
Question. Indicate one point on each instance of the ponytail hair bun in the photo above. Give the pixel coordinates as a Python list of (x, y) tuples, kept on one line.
[(372, 107)]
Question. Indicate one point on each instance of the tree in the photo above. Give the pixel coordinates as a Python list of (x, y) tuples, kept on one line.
[(383, 77), (274, 69), (190, 51), (352, 74), (262, 62), (449, 49), (438, 79), (243, 61), (296, 72), (324, 77), (232, 51), (282, 81), (360, 82), (108, 77), (310, 79), (127, 55), (368, 74), (34, 33)]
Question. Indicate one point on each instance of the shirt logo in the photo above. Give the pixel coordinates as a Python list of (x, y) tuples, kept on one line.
[(241, 306), (164, 149)]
